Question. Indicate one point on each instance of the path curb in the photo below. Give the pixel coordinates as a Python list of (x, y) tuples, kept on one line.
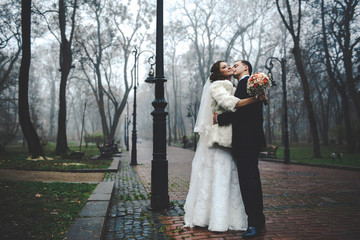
[(91, 224), (277, 160)]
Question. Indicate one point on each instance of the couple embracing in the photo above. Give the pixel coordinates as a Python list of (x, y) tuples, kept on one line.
[(225, 188)]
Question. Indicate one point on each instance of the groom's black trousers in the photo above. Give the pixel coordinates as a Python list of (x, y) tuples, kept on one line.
[(250, 186)]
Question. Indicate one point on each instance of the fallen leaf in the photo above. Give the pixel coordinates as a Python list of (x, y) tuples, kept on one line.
[(37, 195)]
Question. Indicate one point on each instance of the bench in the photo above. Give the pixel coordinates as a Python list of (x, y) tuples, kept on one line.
[(269, 151), (106, 151)]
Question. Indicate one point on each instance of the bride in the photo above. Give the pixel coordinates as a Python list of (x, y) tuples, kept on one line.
[(214, 198)]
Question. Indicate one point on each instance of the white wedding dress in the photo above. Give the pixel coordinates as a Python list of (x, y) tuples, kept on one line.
[(214, 197)]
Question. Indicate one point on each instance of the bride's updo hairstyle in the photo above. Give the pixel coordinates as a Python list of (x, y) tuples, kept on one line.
[(215, 72)]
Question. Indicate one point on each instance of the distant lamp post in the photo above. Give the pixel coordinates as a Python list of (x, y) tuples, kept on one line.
[(82, 126), (135, 77), (127, 127), (159, 164), (269, 65), (191, 114)]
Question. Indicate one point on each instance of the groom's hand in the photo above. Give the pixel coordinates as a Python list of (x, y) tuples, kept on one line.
[(215, 118), (263, 97)]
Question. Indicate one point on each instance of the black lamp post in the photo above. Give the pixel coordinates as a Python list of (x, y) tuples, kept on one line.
[(127, 127), (125, 131), (189, 115), (269, 65), (135, 76), (134, 132), (159, 164)]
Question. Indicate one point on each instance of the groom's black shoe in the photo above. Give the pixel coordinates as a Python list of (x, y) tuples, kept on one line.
[(253, 231)]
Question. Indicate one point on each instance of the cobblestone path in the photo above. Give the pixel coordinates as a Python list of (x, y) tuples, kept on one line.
[(301, 202)]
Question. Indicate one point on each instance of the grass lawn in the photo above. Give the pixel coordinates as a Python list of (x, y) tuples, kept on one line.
[(303, 153), (32, 210), (15, 157)]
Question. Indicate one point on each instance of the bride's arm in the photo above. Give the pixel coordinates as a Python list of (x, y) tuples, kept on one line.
[(226, 117), (221, 93), (226, 99)]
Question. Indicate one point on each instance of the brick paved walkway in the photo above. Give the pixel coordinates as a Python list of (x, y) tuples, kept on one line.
[(300, 202)]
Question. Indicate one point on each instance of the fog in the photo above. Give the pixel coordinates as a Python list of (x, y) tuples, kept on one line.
[(319, 40)]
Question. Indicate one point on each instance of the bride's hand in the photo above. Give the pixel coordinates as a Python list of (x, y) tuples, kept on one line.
[(215, 118)]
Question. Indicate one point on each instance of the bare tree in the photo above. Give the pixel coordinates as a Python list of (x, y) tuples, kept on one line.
[(66, 63), (297, 52), (94, 46), (343, 27), (202, 32), (113, 22), (10, 45), (8, 119), (331, 66), (246, 33), (10, 42), (52, 107), (27, 127), (129, 29), (65, 39), (175, 35)]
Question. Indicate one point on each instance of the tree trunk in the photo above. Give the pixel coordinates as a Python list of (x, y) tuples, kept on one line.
[(65, 67), (200, 62), (323, 112), (52, 111), (347, 48), (61, 142), (35, 148), (353, 92), (117, 115), (293, 133), (301, 70), (175, 88), (282, 122), (307, 98), (101, 104), (351, 144), (350, 138)]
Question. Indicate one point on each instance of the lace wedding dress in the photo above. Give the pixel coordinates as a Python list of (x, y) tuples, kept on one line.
[(214, 197)]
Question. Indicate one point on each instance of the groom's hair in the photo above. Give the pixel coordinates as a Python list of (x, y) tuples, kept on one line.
[(247, 63)]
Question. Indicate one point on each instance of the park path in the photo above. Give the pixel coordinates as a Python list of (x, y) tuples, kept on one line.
[(300, 202)]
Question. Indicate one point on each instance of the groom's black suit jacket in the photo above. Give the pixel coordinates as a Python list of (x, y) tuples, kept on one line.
[(247, 123)]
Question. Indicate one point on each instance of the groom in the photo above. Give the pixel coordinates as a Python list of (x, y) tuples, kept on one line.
[(247, 140)]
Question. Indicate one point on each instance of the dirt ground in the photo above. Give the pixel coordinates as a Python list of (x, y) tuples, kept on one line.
[(43, 176)]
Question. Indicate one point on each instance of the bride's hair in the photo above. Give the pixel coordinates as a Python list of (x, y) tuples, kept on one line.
[(215, 72)]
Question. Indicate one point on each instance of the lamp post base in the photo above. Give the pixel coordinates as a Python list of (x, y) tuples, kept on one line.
[(159, 185)]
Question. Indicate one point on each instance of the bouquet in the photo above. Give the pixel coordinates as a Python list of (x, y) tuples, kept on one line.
[(258, 84)]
